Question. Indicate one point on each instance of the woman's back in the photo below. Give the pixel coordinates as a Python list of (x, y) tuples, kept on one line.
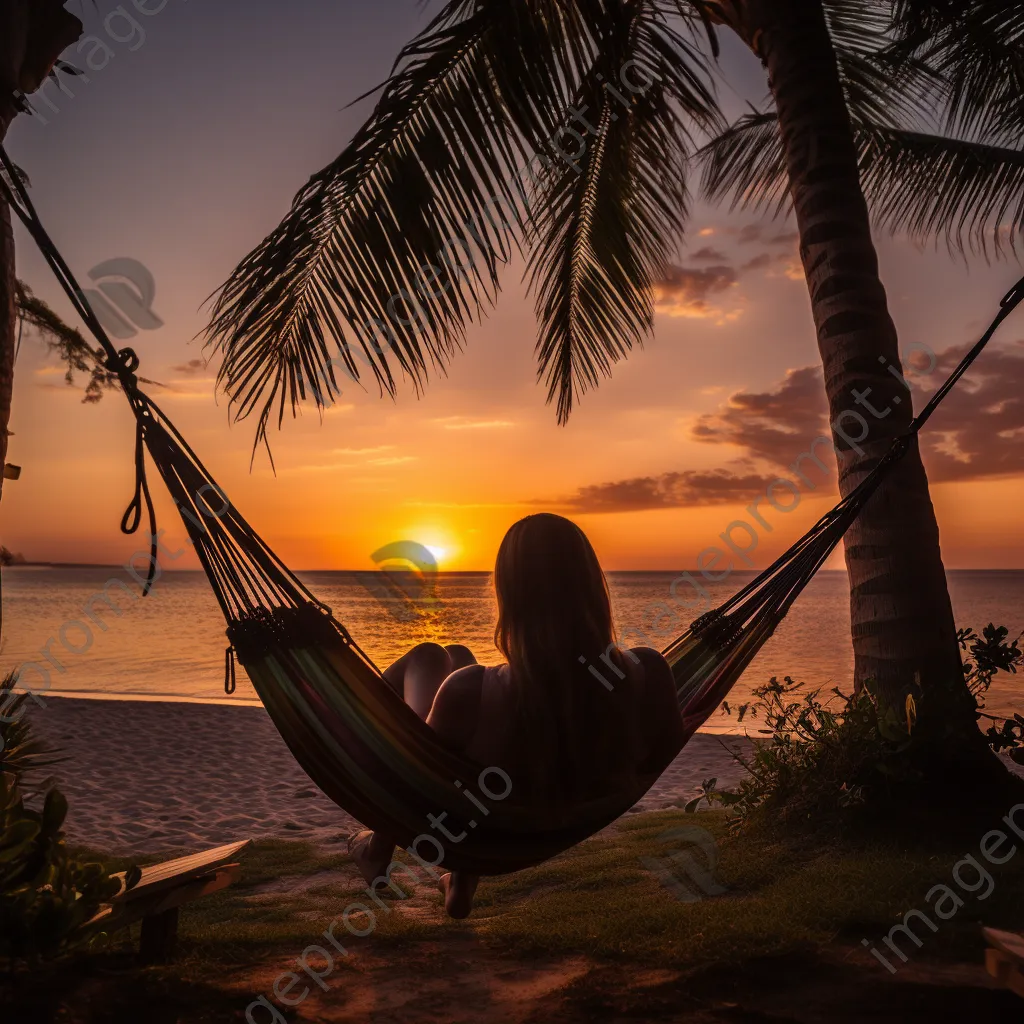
[(493, 732)]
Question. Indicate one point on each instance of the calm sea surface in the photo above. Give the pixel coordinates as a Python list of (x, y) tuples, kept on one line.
[(170, 645)]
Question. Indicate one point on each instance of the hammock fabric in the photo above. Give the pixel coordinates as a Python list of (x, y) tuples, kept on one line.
[(353, 735)]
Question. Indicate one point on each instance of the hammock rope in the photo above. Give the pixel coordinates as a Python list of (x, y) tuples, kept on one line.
[(352, 734)]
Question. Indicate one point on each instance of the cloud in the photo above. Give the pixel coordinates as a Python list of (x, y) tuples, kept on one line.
[(771, 426), (191, 368), (758, 232), (397, 460), (685, 291), (977, 433), (669, 490), (761, 262), (363, 451), (465, 423), (708, 254), (376, 456)]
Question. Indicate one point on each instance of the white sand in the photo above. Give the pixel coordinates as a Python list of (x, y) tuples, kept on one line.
[(146, 777)]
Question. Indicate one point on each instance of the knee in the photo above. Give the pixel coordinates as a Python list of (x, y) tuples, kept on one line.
[(460, 656), (430, 656)]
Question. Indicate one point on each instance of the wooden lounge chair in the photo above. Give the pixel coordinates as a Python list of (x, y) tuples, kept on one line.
[(1004, 959), (162, 889)]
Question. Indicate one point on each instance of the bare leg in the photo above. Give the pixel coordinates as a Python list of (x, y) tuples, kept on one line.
[(416, 676), (460, 656), (459, 888)]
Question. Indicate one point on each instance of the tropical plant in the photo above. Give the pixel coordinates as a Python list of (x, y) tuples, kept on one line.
[(48, 898), (22, 754), (490, 86), (817, 760)]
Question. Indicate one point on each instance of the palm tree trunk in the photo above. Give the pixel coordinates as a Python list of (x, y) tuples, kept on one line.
[(32, 35), (903, 628), (14, 27)]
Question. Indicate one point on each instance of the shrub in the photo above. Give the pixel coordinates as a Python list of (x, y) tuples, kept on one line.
[(22, 755), (48, 898), (818, 760)]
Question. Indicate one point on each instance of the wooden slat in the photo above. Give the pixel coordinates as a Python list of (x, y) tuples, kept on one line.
[(126, 912), (1005, 971), (1010, 943), (173, 873)]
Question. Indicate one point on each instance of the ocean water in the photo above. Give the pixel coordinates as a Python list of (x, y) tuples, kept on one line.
[(170, 645)]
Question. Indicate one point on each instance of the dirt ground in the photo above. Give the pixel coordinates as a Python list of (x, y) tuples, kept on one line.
[(466, 982)]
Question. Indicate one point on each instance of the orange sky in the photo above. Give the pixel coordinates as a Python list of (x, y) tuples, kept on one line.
[(185, 172)]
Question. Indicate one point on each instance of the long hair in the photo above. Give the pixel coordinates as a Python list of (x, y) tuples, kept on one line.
[(554, 623)]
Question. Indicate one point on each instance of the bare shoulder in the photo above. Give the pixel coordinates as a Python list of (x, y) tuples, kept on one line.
[(660, 707), (657, 674), (456, 708)]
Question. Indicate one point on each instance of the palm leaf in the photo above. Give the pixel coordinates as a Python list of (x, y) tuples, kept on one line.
[(346, 273), (978, 48), (21, 754), (745, 164), (605, 224), (969, 194)]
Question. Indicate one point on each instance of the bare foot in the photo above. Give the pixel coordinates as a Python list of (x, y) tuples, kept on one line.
[(368, 857), (458, 894)]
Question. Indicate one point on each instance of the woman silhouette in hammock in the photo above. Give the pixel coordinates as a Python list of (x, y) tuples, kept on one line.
[(570, 716)]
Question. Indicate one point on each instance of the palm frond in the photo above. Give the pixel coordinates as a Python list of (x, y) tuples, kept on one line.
[(22, 755), (605, 223), (978, 47), (391, 251), (746, 166), (967, 193)]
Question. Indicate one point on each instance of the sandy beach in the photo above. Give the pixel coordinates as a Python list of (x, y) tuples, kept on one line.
[(148, 777)]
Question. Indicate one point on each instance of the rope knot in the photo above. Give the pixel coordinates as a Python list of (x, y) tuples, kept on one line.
[(125, 364)]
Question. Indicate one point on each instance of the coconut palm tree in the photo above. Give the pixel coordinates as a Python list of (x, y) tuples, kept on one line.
[(568, 131)]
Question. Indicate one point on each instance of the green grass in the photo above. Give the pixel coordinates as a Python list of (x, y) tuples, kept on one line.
[(599, 900)]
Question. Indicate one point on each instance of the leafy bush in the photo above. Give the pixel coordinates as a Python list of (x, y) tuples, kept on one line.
[(47, 898), (821, 759), (21, 754)]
